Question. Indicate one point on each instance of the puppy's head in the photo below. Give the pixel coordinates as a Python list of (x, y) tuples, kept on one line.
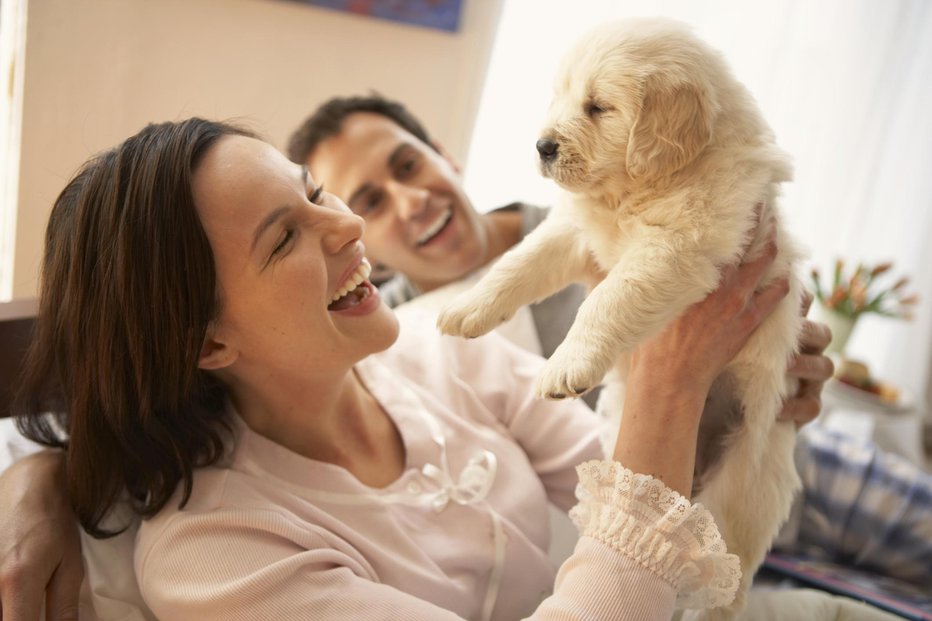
[(633, 101)]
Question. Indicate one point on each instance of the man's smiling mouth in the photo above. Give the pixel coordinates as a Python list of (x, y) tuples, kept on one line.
[(435, 227)]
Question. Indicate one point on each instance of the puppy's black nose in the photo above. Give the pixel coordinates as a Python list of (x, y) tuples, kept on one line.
[(547, 148)]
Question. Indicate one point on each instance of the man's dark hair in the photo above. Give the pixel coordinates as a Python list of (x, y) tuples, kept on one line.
[(327, 121)]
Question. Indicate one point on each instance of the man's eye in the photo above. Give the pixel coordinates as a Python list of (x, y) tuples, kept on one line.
[(407, 167), (370, 204)]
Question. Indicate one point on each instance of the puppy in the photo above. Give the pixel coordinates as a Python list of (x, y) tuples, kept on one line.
[(664, 156)]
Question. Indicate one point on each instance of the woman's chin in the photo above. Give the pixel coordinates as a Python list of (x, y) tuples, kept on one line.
[(381, 330), (390, 330)]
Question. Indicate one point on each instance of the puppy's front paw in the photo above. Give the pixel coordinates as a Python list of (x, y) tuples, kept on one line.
[(570, 372), (471, 316)]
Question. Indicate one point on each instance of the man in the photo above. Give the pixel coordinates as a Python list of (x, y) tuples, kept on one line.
[(378, 157)]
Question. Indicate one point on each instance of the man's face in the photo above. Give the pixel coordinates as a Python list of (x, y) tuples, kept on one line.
[(418, 220)]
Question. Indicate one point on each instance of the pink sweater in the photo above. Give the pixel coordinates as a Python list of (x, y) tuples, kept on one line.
[(462, 534)]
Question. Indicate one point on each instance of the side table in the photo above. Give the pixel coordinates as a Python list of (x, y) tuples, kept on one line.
[(894, 427)]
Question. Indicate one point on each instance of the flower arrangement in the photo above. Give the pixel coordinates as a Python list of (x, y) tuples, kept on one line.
[(866, 290)]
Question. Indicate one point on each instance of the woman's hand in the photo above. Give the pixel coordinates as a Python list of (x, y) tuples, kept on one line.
[(40, 548), (695, 348), (812, 368), (671, 373)]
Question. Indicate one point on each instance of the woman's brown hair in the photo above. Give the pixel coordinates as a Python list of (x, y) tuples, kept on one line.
[(128, 291)]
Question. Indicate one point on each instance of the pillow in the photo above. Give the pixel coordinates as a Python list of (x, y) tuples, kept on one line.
[(13, 446)]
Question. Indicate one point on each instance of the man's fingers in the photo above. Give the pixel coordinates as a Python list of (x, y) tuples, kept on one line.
[(21, 598), (62, 593), (811, 367)]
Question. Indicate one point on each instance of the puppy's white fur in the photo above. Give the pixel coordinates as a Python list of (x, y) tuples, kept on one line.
[(664, 156)]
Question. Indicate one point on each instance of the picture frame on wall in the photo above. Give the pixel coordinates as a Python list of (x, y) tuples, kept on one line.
[(438, 14)]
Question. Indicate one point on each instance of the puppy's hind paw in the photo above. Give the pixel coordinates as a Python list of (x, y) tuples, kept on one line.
[(470, 318)]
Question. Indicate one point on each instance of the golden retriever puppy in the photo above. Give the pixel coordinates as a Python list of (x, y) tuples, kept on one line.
[(664, 156)]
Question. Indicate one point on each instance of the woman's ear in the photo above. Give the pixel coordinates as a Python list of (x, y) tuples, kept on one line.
[(215, 352), (672, 128)]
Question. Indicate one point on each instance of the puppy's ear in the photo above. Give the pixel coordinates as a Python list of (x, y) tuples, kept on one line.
[(673, 126)]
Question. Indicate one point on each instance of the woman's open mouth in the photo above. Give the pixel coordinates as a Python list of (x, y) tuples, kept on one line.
[(354, 290)]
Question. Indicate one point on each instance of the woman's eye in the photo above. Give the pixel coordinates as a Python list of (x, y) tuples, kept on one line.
[(315, 197), (289, 233)]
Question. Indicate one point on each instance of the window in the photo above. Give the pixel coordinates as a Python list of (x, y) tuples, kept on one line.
[(12, 48), (845, 86)]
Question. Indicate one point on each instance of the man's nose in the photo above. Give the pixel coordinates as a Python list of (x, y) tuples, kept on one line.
[(410, 202)]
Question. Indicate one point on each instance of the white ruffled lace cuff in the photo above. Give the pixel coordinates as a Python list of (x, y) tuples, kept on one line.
[(644, 519)]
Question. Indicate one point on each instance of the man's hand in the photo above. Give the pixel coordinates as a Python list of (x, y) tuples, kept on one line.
[(812, 368), (40, 548)]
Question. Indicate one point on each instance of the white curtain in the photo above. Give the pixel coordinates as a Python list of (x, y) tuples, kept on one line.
[(846, 86)]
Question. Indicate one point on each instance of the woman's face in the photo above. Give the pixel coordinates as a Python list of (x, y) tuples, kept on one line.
[(284, 251)]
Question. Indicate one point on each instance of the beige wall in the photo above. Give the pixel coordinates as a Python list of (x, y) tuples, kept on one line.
[(98, 70)]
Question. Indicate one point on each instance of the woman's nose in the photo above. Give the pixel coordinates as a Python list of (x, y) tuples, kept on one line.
[(342, 228)]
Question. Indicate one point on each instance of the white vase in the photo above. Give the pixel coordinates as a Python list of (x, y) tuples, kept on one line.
[(841, 326)]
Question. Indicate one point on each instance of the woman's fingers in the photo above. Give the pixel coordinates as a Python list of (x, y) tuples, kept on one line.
[(815, 337), (763, 302), (758, 218), (803, 408), (752, 270), (811, 367), (729, 271), (807, 302)]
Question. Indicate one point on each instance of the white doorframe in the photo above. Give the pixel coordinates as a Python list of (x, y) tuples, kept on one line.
[(12, 69)]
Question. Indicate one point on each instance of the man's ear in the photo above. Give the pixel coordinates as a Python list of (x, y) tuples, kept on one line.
[(439, 148), (673, 126), (215, 352)]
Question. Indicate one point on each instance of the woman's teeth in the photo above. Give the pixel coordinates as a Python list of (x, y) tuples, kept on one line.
[(435, 227), (362, 272)]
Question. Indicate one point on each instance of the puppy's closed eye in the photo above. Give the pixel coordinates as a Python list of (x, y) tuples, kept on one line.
[(595, 110)]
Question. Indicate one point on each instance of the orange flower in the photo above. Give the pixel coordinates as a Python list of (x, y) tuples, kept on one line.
[(837, 297), (858, 294), (900, 283)]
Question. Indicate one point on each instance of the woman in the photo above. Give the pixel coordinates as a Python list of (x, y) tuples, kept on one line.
[(208, 336)]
